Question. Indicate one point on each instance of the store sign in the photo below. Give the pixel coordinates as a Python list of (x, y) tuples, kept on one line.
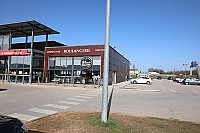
[(77, 51), (53, 52), (14, 52), (86, 62)]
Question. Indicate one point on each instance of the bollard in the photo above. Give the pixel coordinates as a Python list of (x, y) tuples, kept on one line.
[(63, 82), (54, 81), (2, 78), (23, 79), (83, 82), (38, 80), (98, 82), (73, 81), (46, 80), (16, 79), (94, 82)]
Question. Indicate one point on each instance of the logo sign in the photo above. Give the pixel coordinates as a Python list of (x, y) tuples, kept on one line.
[(14, 52), (86, 62)]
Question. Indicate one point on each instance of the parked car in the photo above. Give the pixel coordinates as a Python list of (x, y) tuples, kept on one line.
[(180, 80), (141, 80), (159, 77), (176, 79), (191, 81), (170, 78), (12, 125)]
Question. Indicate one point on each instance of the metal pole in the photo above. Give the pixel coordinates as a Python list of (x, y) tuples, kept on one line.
[(72, 73), (23, 79), (46, 40), (31, 58), (16, 78), (173, 60), (46, 80), (94, 79), (9, 57), (64, 82), (2, 78), (198, 70), (104, 115), (185, 69)]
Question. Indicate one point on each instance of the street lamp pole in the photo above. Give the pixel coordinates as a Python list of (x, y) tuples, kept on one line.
[(104, 113), (173, 60), (185, 68), (159, 68)]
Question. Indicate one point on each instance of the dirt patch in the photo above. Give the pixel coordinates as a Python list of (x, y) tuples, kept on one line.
[(79, 122)]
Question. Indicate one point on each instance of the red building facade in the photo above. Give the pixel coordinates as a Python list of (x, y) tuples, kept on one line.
[(75, 63)]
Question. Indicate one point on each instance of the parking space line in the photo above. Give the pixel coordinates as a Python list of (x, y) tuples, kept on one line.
[(68, 102), (76, 99), (196, 92), (83, 97), (93, 93), (23, 117), (43, 111), (173, 91), (56, 106), (90, 95)]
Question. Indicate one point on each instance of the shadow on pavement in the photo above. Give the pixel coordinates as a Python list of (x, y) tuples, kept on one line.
[(109, 103), (3, 89)]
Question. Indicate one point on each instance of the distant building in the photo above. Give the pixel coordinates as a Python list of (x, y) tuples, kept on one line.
[(134, 71)]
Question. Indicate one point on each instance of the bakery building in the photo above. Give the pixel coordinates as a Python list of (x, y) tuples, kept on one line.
[(80, 64)]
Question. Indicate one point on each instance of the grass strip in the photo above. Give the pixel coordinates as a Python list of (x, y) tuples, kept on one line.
[(111, 125)]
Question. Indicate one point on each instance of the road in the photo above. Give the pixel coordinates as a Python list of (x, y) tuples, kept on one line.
[(174, 101)]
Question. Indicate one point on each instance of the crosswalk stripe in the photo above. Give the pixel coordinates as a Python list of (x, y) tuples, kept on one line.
[(43, 111), (90, 95), (76, 99), (83, 97), (56, 106), (68, 102), (23, 117)]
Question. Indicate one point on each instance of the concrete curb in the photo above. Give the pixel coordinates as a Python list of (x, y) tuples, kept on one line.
[(121, 88), (151, 90)]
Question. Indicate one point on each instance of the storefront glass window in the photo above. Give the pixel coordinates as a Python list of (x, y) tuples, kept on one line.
[(1, 39), (57, 64), (69, 62), (13, 62), (20, 61), (96, 60), (77, 63), (52, 61), (26, 62), (5, 43), (63, 62)]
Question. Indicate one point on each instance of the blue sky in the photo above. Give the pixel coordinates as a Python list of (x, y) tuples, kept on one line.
[(144, 31)]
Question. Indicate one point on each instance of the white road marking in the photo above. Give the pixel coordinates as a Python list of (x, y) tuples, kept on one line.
[(75, 99), (99, 91), (90, 95), (173, 91), (196, 91), (23, 117), (68, 102), (83, 97), (43, 111), (93, 93), (56, 106)]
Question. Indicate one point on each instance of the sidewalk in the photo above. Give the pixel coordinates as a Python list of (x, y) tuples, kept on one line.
[(79, 86)]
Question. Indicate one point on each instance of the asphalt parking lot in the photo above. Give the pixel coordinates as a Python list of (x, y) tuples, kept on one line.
[(163, 98)]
